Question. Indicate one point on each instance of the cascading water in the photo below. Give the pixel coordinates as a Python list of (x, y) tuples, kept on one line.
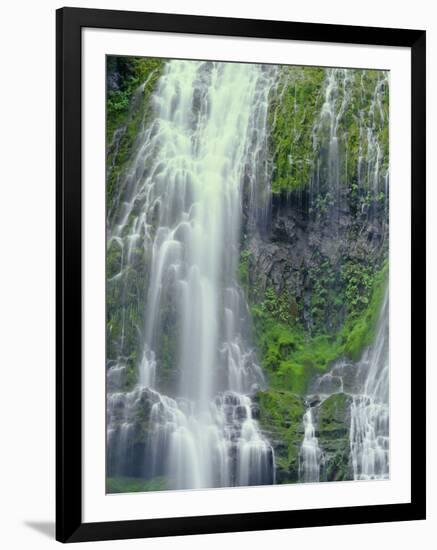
[(181, 372), (367, 385), (310, 460), (183, 210), (366, 382), (369, 434), (332, 174)]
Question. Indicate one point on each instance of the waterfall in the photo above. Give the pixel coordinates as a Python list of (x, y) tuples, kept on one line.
[(332, 141), (310, 459), (367, 384), (337, 186), (369, 433), (182, 372), (181, 218)]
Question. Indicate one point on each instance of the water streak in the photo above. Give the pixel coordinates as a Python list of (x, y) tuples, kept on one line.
[(311, 458), (369, 433), (367, 384), (205, 147)]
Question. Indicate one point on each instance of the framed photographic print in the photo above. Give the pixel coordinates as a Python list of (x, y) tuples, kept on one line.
[(241, 274)]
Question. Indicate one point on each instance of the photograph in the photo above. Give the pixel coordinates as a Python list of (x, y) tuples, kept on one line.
[(247, 274)]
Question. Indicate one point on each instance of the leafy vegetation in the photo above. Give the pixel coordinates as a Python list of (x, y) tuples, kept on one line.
[(291, 356), (359, 328), (125, 75)]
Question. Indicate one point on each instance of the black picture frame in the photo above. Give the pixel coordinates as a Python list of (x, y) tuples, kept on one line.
[(69, 24)]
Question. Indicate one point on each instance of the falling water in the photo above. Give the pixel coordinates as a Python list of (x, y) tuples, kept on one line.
[(331, 138), (366, 381), (367, 384), (369, 433), (183, 208), (310, 459), (336, 100)]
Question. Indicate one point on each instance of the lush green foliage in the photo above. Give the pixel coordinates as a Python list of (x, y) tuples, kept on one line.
[(340, 292), (359, 329), (292, 356), (289, 356), (131, 72)]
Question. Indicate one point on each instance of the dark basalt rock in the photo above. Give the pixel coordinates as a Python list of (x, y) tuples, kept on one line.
[(291, 255)]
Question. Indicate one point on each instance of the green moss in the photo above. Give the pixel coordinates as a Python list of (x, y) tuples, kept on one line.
[(291, 356), (299, 137), (132, 72), (243, 268), (359, 330), (168, 374), (294, 109), (334, 415), (113, 259), (326, 307), (280, 415), (333, 426), (125, 291), (126, 111), (134, 485)]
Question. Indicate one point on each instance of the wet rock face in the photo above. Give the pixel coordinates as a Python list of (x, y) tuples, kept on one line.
[(280, 416), (113, 80), (128, 417), (333, 426), (298, 249), (344, 376)]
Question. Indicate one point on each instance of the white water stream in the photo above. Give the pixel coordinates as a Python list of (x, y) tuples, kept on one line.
[(330, 132), (310, 459), (369, 434), (207, 135), (367, 385)]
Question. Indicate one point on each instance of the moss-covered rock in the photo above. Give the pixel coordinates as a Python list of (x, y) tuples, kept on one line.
[(302, 129), (295, 105), (359, 329), (280, 416), (333, 426), (315, 292), (130, 83)]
